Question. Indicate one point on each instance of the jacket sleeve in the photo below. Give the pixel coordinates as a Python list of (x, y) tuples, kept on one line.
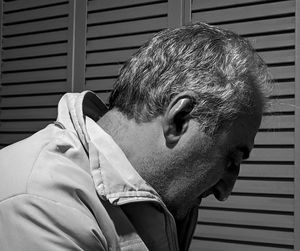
[(29, 222)]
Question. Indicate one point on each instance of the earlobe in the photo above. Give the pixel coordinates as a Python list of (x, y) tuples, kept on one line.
[(176, 118)]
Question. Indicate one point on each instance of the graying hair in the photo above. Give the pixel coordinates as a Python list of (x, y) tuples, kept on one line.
[(219, 67)]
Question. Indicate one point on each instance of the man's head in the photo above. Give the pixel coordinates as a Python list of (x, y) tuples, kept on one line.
[(195, 95)]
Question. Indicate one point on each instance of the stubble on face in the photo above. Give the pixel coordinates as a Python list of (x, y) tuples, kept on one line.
[(186, 171), (202, 163)]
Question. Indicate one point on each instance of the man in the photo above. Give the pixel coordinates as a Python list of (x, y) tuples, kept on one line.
[(182, 116)]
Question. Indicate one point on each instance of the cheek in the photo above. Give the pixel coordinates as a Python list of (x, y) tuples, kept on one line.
[(213, 173)]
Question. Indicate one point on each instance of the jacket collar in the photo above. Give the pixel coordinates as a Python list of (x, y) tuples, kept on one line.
[(114, 177)]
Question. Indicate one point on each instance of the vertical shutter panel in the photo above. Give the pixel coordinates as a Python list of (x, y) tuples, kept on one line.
[(34, 65), (115, 30), (259, 215)]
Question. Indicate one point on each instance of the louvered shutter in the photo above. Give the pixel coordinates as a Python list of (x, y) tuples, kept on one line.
[(115, 30), (44, 54), (259, 215), (34, 65)]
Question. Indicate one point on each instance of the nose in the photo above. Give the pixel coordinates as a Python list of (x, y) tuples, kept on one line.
[(224, 186)]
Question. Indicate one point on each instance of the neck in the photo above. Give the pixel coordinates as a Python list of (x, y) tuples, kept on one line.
[(144, 146), (135, 139)]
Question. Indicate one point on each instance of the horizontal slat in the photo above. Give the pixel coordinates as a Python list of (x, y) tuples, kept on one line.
[(127, 13), (259, 42), (264, 187), (102, 71), (277, 105), (104, 96), (109, 57), (199, 4), (118, 42), (245, 12), (262, 26), (282, 105), (100, 84), (274, 138), (22, 126), (39, 88), (246, 218), (272, 154), (251, 203), (34, 63), (244, 234), (19, 5), (10, 138), (43, 26), (267, 171), (127, 27), (273, 41), (41, 13), (282, 56), (42, 75), (48, 37), (30, 113), (103, 5), (34, 51), (282, 72), (283, 88), (284, 121), (30, 101), (207, 245)]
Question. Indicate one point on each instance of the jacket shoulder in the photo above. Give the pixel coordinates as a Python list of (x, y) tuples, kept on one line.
[(42, 224), (17, 160)]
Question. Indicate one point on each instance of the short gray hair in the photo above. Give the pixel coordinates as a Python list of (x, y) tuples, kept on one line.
[(218, 66)]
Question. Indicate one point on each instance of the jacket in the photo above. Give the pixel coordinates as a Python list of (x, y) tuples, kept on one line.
[(70, 187)]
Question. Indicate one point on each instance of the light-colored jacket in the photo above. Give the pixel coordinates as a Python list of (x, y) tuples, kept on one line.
[(70, 187)]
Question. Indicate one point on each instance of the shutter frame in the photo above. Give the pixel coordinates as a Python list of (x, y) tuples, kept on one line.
[(77, 45), (297, 131)]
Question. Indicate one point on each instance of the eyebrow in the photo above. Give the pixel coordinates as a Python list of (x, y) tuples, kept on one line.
[(245, 150)]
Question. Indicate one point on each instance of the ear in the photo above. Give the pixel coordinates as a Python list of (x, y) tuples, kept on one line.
[(176, 118)]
